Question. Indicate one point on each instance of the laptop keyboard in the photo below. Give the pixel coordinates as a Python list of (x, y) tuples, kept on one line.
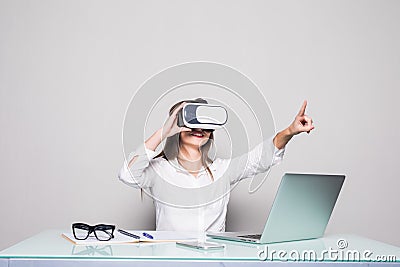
[(257, 236)]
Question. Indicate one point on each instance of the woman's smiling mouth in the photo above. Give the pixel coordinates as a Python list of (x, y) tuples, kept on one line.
[(198, 134)]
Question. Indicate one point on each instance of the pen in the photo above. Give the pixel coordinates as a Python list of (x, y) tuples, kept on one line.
[(128, 234), (148, 235)]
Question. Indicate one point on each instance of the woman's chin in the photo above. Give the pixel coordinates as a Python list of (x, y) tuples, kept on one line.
[(198, 143)]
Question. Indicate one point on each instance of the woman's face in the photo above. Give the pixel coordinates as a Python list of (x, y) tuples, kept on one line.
[(195, 137)]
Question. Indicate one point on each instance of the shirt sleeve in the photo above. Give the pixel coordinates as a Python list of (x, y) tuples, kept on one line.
[(140, 174), (260, 159)]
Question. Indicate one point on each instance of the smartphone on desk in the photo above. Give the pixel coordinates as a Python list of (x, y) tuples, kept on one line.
[(201, 245)]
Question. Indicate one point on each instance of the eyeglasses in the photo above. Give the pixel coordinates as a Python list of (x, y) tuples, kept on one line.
[(102, 232)]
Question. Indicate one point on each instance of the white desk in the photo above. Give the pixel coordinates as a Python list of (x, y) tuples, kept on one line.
[(50, 249)]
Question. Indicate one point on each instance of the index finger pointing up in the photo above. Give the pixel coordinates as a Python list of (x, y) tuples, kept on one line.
[(303, 108)]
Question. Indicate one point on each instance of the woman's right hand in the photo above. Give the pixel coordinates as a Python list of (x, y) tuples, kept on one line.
[(171, 127)]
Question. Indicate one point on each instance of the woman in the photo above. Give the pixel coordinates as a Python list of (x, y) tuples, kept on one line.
[(184, 163)]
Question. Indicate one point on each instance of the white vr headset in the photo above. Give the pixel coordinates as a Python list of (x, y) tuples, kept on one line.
[(202, 116)]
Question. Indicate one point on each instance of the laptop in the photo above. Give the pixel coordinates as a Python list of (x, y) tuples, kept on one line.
[(301, 210)]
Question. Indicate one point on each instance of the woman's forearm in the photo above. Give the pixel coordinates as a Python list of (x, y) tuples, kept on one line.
[(155, 140), (282, 138), (151, 143)]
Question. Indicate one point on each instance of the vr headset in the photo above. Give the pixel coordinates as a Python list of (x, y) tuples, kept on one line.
[(202, 116)]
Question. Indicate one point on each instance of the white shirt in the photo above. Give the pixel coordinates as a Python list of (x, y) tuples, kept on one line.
[(187, 203)]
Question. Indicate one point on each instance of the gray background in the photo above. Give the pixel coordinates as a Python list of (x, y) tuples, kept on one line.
[(69, 68)]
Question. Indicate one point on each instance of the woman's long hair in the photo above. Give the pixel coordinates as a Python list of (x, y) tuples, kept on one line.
[(172, 144)]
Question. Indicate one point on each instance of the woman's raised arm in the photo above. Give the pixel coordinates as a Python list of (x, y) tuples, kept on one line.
[(302, 123)]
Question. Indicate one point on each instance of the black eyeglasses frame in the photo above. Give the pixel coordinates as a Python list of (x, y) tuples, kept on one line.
[(92, 229)]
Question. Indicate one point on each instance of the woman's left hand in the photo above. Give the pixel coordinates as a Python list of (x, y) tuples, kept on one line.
[(302, 122)]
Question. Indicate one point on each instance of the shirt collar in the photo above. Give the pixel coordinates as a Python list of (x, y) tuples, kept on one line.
[(178, 167)]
